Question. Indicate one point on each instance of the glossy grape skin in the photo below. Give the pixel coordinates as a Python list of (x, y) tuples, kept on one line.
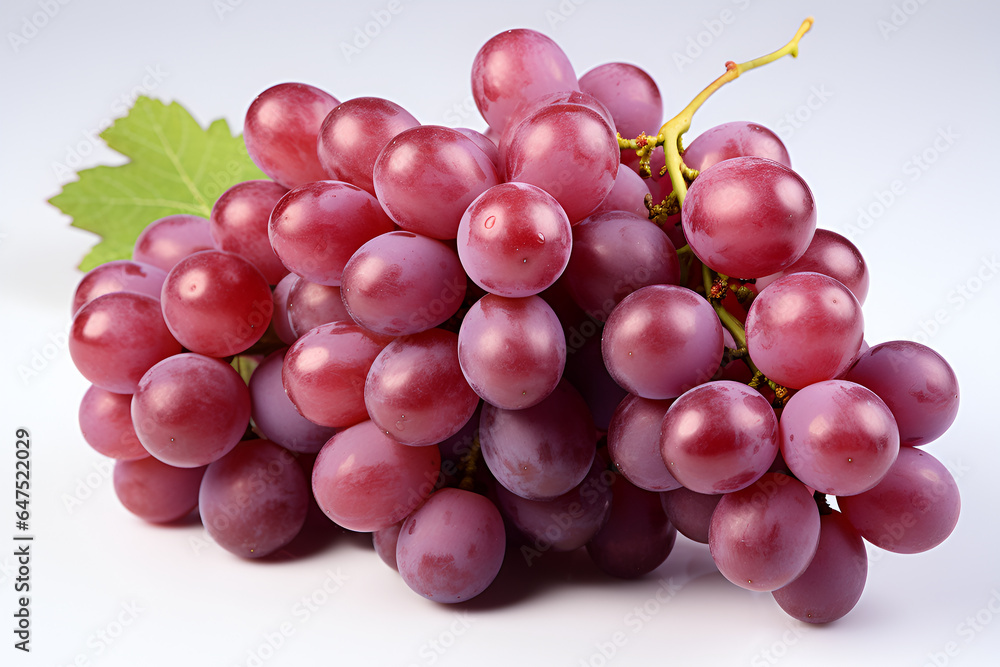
[(363, 480), (634, 443), (832, 255), (917, 384), (514, 67), (637, 537), (763, 536), (514, 240), (690, 512), (566, 522), (353, 135), (838, 437), (280, 132), (662, 340), (216, 303), (804, 328), (254, 500), (748, 217), (324, 372), (627, 194), (316, 228), (274, 414), (166, 241), (106, 424), (542, 451), (913, 509), (402, 283), (832, 584), (120, 275), (427, 176), (451, 549), (279, 315), (614, 254), (570, 152), (190, 410), (238, 224), (384, 541), (630, 94), (512, 351), (155, 491), (117, 337), (719, 437), (732, 140), (486, 145), (415, 390), (310, 304)]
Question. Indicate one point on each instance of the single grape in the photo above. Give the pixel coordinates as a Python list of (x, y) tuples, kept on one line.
[(627, 194), (748, 217), (690, 512), (838, 437), (155, 491), (662, 340), (238, 224), (279, 315), (190, 410), (385, 541), (365, 481), (310, 304), (117, 337), (120, 275), (832, 255), (732, 140), (486, 145), (216, 303), (254, 500), (106, 424), (514, 240), (630, 94), (913, 509), (166, 241), (917, 384), (634, 443), (804, 328), (280, 131)]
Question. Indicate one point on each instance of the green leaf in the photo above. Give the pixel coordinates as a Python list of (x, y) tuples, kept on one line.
[(175, 166)]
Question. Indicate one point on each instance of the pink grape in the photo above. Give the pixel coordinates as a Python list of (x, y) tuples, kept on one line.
[(832, 584), (512, 351), (155, 491), (732, 140), (690, 512), (631, 95), (353, 135), (832, 255), (324, 372), (238, 224), (570, 152), (838, 437), (486, 145), (311, 304), (254, 500), (542, 451), (804, 328), (764, 536), (166, 241), (216, 303), (106, 424), (917, 384), (514, 240), (274, 414), (749, 217), (627, 194), (190, 410), (614, 254), (415, 390), (634, 443), (365, 481), (120, 275), (451, 548), (385, 541), (279, 315), (913, 509), (662, 340), (719, 437), (280, 132), (117, 337), (514, 67), (316, 228), (427, 176)]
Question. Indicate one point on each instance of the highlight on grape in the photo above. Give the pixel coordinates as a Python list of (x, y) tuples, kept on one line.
[(565, 331)]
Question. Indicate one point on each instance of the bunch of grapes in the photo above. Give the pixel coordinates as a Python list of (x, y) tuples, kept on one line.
[(466, 343)]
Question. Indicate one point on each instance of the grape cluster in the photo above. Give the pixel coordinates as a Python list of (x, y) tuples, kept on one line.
[(464, 343)]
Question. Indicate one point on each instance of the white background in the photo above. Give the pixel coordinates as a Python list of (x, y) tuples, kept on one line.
[(865, 102)]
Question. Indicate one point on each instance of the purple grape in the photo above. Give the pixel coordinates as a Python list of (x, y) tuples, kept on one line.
[(832, 255), (585, 370), (630, 94), (385, 541), (238, 224), (732, 140), (120, 275), (279, 315), (155, 491), (310, 304), (254, 500), (690, 512), (634, 443), (628, 194), (452, 547)]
